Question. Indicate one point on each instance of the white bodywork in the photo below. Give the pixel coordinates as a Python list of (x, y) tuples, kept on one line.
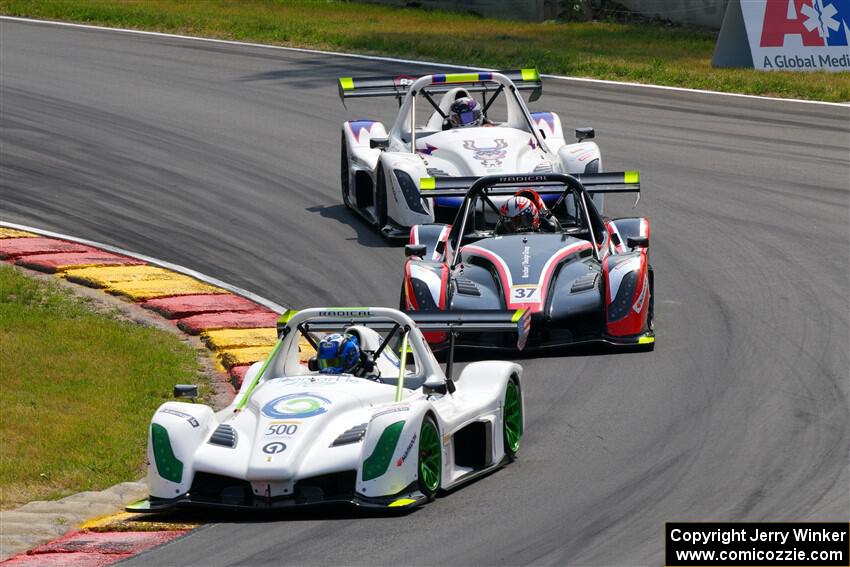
[(285, 425), (523, 143)]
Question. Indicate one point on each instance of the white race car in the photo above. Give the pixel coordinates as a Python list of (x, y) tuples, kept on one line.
[(294, 436), (381, 171)]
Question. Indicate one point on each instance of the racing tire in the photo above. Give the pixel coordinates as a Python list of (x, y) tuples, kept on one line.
[(402, 303), (512, 419), (381, 199), (650, 318), (345, 181), (650, 323), (430, 467)]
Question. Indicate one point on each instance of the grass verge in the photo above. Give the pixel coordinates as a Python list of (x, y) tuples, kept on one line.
[(635, 52), (77, 390)]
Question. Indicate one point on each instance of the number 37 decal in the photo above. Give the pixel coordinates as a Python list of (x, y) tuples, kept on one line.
[(525, 294)]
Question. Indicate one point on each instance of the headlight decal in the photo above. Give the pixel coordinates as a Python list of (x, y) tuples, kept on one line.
[(410, 192), (168, 466), (378, 462), (621, 304)]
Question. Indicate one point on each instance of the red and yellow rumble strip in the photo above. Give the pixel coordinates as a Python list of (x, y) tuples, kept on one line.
[(239, 331), (102, 541)]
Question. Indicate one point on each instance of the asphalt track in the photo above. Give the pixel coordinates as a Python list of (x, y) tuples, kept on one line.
[(225, 159)]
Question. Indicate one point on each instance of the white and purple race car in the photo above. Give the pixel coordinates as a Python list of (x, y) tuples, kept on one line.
[(381, 170)]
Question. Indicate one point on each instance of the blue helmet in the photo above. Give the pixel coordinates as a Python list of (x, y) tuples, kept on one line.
[(465, 111), (338, 354)]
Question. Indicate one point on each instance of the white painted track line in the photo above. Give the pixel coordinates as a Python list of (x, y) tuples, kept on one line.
[(414, 62)]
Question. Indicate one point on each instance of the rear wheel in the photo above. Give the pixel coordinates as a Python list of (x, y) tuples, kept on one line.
[(345, 181), (512, 419), (430, 458), (381, 199)]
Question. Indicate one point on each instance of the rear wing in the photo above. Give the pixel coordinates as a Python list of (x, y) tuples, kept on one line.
[(451, 322), (619, 182), (357, 87)]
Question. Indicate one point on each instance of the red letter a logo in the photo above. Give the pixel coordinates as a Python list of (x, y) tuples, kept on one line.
[(778, 24)]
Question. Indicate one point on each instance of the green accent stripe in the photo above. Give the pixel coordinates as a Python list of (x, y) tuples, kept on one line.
[(168, 466), (402, 369), (518, 315), (378, 462), (632, 177), (530, 75), (244, 401), (286, 316), (427, 184), (347, 83)]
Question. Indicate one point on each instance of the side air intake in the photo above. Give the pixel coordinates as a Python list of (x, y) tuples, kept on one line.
[(224, 435), (466, 287), (353, 435)]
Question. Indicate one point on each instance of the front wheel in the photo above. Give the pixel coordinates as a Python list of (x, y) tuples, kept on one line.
[(512, 419), (651, 316), (345, 180), (430, 458)]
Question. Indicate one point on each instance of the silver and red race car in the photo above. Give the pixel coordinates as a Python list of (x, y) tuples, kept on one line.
[(584, 279), (380, 169)]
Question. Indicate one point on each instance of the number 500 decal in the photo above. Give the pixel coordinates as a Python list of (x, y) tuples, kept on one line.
[(525, 294), (282, 429)]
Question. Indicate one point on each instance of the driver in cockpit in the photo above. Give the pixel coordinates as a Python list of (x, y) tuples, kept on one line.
[(526, 212), (465, 112), (340, 354)]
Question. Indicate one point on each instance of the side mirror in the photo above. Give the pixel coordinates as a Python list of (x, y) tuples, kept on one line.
[(415, 250), (186, 391), (585, 134), (637, 242), (435, 386), (379, 143)]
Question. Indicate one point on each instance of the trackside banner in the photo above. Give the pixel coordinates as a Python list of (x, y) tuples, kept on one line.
[(785, 35), (798, 35)]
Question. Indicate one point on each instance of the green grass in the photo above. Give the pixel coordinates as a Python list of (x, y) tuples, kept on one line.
[(77, 389), (625, 52)]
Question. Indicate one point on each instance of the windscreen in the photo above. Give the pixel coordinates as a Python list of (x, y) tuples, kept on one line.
[(326, 349), (485, 213)]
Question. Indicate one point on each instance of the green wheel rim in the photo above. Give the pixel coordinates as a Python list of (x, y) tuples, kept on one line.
[(513, 418), (429, 456)]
